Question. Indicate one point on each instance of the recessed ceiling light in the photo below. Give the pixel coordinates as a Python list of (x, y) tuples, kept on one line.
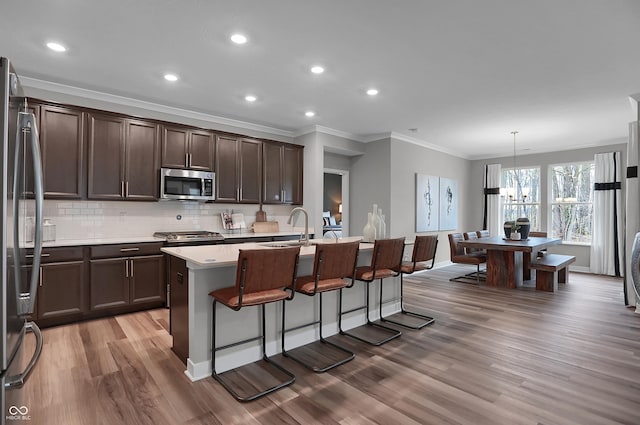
[(310, 114), (171, 77), (372, 92), (317, 69), (239, 38), (250, 98), (56, 47)]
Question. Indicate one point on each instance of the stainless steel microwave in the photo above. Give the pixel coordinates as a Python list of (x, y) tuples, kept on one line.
[(187, 184)]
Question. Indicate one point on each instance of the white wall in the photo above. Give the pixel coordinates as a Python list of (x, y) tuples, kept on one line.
[(407, 159), (542, 160)]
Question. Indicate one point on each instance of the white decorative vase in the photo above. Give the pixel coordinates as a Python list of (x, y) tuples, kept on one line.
[(369, 231), (383, 227)]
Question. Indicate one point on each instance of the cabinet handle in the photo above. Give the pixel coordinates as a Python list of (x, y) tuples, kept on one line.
[(41, 272), (122, 188), (126, 268), (186, 160), (190, 161), (126, 189), (129, 249), (131, 263)]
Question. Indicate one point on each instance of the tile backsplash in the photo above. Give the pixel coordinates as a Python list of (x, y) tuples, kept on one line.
[(99, 219)]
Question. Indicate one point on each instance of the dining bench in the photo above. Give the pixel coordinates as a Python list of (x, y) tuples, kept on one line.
[(552, 269)]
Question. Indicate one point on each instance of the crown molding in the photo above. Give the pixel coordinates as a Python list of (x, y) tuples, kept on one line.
[(135, 103), (420, 142), (328, 130)]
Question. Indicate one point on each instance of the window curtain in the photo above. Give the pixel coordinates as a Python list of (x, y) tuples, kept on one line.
[(606, 244), (492, 179), (631, 296)]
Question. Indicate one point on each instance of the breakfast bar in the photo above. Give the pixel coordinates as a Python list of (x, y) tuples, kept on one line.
[(195, 271)]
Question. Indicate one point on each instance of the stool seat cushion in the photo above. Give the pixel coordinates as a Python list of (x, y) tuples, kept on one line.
[(229, 296), (306, 284), (407, 267), (365, 273)]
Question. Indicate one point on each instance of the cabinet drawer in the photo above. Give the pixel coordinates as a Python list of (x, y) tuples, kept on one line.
[(56, 255), (125, 250)]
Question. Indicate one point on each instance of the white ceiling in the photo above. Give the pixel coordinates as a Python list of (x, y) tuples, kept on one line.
[(465, 73)]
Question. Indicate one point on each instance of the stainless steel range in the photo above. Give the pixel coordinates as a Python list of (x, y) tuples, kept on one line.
[(197, 237)]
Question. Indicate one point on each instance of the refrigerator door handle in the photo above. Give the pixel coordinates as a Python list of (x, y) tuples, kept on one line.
[(17, 381), (27, 300)]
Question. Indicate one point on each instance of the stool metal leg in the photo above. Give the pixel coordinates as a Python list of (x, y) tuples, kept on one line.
[(224, 382), (426, 320), (390, 332), (348, 355)]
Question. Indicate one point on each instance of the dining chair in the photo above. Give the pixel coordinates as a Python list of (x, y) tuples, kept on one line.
[(459, 255), (263, 276), (423, 258), (386, 262), (334, 268)]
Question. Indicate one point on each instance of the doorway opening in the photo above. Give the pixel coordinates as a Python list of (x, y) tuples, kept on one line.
[(335, 203)]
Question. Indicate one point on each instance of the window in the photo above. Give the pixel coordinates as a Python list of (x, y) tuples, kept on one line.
[(572, 201), (522, 197)]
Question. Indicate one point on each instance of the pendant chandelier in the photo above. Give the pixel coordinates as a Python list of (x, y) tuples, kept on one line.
[(511, 192)]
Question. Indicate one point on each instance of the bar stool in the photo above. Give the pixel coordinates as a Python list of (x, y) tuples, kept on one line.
[(385, 262), (262, 276), (334, 263), (424, 250)]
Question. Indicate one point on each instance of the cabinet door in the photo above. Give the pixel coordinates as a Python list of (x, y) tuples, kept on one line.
[(106, 156), (61, 291), (250, 171), (201, 150), (293, 159), (272, 173), (175, 147), (141, 160), (147, 279), (62, 149), (227, 183), (109, 283)]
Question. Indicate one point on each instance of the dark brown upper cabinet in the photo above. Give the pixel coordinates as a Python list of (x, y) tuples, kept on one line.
[(62, 148), (123, 158), (282, 173), (238, 170), (187, 148)]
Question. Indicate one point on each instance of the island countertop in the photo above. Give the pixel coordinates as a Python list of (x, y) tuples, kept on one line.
[(210, 256)]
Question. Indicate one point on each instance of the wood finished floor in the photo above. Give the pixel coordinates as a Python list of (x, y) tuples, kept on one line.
[(493, 356)]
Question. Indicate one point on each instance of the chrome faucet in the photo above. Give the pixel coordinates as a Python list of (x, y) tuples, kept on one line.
[(305, 239)]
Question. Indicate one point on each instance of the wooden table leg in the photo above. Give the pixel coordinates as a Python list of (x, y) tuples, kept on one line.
[(526, 265), (504, 268)]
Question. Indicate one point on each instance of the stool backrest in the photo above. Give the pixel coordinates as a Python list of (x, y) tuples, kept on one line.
[(387, 254), (335, 260), (264, 269), (424, 248), (483, 233)]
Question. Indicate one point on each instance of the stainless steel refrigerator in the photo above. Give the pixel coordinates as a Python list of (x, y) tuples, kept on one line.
[(21, 190)]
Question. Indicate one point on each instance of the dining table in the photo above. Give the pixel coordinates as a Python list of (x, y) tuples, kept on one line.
[(509, 260)]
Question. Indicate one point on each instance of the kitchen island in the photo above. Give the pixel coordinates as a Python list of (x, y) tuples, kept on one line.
[(195, 271)]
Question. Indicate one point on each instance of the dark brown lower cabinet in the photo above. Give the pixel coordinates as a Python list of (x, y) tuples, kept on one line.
[(179, 311), (109, 283), (122, 282), (61, 292)]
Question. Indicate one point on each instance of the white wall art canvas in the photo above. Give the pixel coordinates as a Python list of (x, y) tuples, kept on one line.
[(426, 203), (448, 204)]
